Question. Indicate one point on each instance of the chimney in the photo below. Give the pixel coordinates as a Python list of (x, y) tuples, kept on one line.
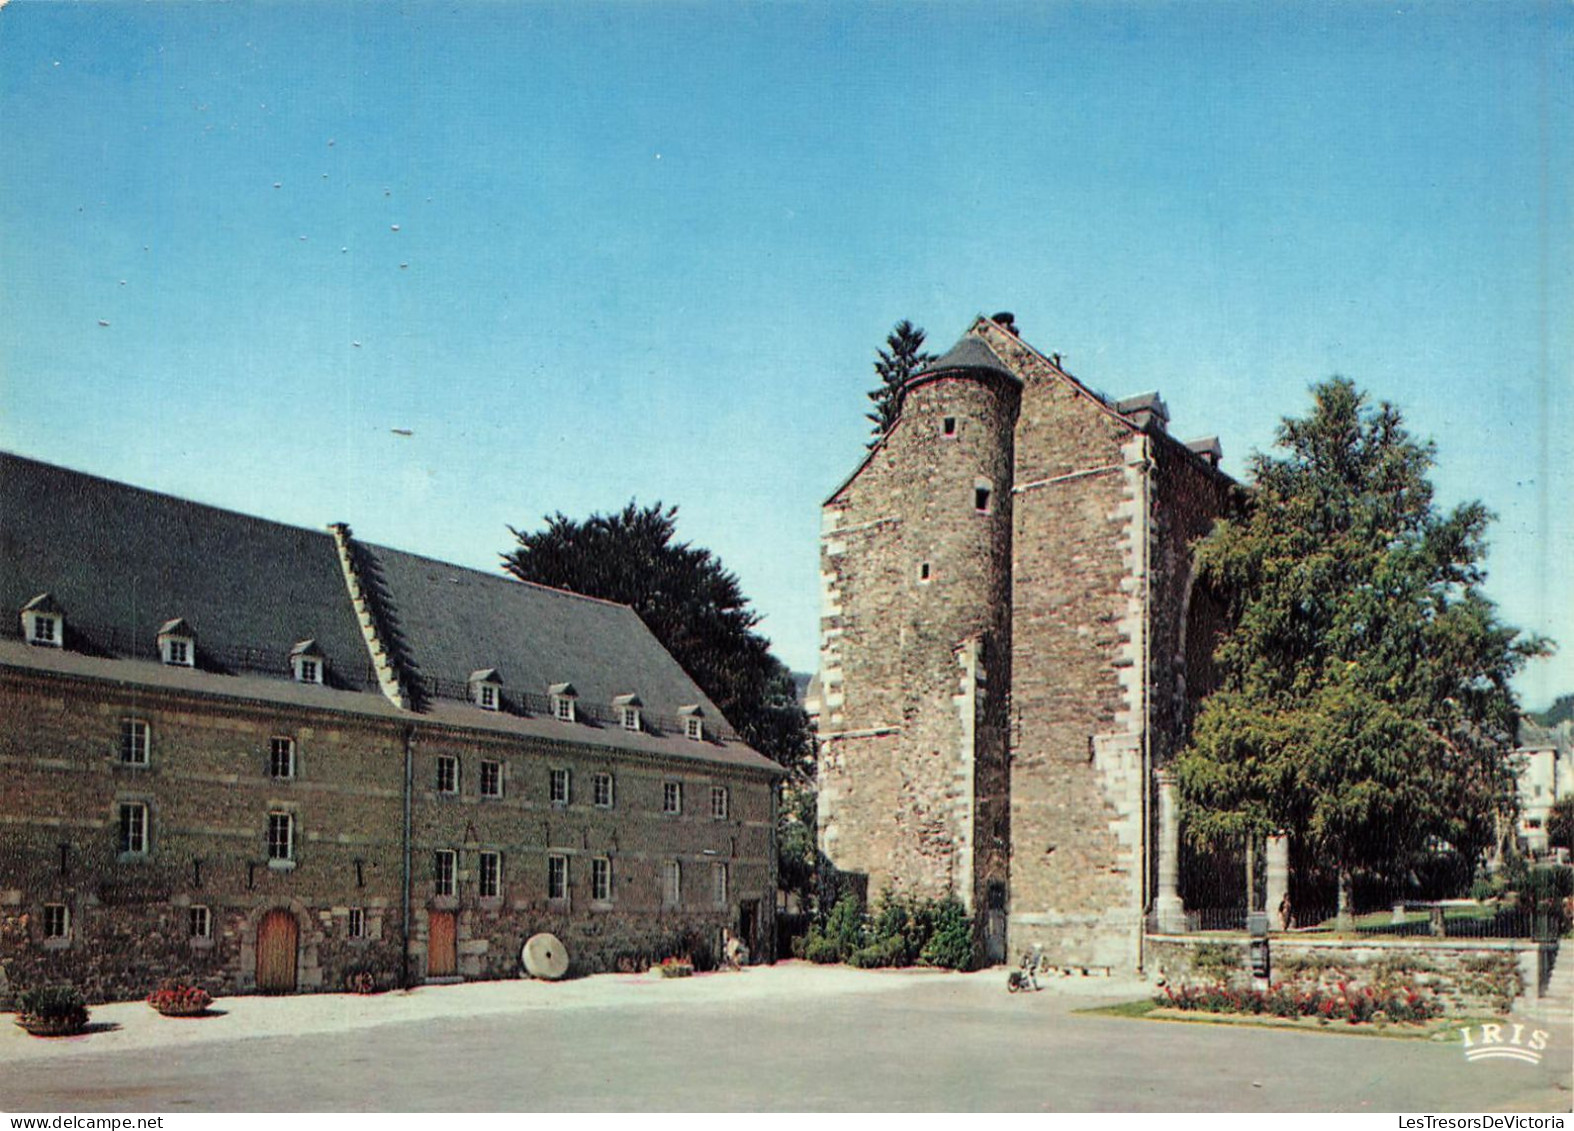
[(1006, 320), (1147, 410), (1208, 448)]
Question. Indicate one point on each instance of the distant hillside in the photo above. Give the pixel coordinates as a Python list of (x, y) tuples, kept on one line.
[(1562, 708)]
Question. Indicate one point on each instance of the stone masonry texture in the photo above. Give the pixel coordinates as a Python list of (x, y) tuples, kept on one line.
[(1074, 586)]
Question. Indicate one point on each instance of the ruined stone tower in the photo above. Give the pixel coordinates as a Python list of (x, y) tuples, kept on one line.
[(1005, 662)]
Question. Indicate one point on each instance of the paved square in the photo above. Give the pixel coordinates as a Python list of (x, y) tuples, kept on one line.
[(792, 1037)]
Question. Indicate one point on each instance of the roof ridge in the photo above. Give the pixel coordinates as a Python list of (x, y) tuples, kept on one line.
[(504, 578), (122, 485), (1076, 382)]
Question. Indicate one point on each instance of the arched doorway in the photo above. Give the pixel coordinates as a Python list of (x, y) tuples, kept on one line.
[(278, 939)]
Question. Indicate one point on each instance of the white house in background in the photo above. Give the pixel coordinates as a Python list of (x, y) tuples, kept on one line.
[(1544, 762)]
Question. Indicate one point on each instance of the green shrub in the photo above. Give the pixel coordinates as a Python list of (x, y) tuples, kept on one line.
[(950, 943), (54, 1003), (887, 951), (841, 935), (903, 930)]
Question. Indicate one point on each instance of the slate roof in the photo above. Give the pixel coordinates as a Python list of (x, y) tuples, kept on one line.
[(121, 561), (455, 621), (973, 353)]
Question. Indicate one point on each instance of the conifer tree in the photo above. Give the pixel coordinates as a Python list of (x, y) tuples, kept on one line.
[(1364, 704), (903, 356)]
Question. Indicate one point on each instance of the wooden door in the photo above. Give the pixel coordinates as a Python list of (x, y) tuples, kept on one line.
[(277, 938), (442, 958)]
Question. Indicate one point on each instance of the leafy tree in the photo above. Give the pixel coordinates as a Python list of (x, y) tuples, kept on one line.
[(1560, 823), (689, 601), (1364, 703), (903, 356)]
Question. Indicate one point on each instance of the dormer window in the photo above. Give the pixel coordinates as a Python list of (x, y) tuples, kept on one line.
[(693, 722), (177, 644), (563, 696), (44, 622), (307, 662), (628, 710), (486, 689)]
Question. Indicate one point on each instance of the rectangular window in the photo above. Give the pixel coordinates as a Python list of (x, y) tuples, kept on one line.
[(356, 928), (199, 921), (672, 797), (443, 871), (179, 653), (630, 718), (981, 499), (133, 742), (491, 779), (559, 788), (601, 880), (671, 884), (57, 921), (557, 877), (949, 426), (44, 633), (718, 802), (309, 672), (489, 879), (488, 697), (601, 790), (694, 729), (281, 836), (565, 708), (447, 774), (281, 758), (718, 874), (134, 828)]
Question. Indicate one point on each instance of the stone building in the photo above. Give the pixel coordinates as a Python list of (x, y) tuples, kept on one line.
[(1012, 648), (265, 756)]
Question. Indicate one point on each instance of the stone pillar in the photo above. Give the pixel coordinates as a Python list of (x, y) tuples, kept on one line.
[(1278, 879), (1170, 910)]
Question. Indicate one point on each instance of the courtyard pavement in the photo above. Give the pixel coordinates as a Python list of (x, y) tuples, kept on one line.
[(786, 1038)]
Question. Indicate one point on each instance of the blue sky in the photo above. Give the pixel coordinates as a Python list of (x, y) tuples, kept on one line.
[(593, 252)]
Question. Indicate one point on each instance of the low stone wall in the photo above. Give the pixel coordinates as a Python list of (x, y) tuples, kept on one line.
[(1469, 976)]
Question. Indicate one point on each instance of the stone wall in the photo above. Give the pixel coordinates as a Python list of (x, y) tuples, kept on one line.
[(1469, 976), (916, 649), (1078, 673), (208, 791)]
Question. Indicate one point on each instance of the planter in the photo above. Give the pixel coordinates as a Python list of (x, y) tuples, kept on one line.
[(675, 970), (180, 999), (53, 1026)]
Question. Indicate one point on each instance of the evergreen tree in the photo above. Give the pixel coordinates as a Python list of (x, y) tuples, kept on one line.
[(1364, 705), (902, 357), (689, 601)]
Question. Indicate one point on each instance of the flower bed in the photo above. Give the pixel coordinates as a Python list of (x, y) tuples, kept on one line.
[(676, 968), (177, 998), (1352, 1004)]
